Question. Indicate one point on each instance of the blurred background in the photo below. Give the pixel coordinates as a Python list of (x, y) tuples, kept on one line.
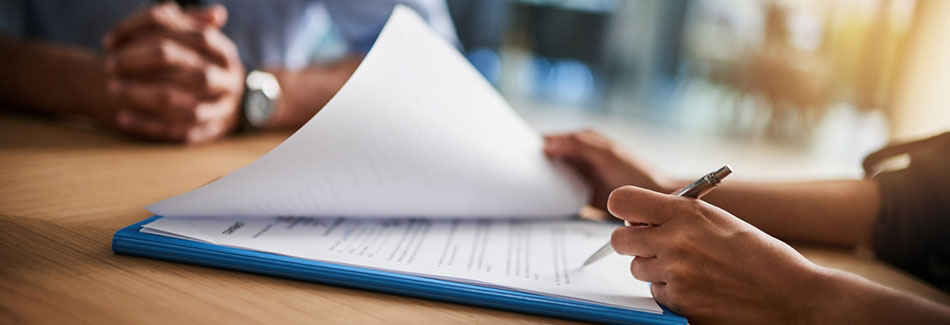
[(790, 88)]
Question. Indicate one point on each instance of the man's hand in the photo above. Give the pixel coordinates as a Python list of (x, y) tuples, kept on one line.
[(708, 265), (174, 75), (603, 164)]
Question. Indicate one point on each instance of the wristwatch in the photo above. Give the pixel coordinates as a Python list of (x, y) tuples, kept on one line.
[(261, 92)]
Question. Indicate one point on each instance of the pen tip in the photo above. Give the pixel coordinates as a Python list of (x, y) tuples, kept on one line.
[(587, 262)]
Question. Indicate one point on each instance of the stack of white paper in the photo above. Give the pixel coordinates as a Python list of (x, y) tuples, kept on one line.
[(540, 256), (415, 133)]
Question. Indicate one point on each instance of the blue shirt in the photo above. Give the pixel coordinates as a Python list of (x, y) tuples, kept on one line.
[(280, 33)]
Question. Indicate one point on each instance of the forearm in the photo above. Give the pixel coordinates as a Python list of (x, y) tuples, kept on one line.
[(52, 78), (305, 92), (837, 212), (845, 298)]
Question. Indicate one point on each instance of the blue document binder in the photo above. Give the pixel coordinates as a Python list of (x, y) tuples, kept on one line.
[(130, 241)]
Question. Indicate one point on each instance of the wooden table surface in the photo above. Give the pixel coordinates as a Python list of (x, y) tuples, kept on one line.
[(65, 189)]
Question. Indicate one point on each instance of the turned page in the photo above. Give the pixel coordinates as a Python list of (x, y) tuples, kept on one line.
[(415, 132)]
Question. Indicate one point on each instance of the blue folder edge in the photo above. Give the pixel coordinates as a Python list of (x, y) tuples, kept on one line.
[(130, 241)]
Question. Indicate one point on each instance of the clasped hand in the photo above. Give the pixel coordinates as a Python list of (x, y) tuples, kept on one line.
[(173, 74)]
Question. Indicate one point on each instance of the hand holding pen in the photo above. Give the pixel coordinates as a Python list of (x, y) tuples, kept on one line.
[(702, 262), (696, 190)]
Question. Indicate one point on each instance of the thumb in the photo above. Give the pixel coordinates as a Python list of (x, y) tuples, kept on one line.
[(214, 15)]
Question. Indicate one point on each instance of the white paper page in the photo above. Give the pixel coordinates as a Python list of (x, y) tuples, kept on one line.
[(415, 132), (541, 257)]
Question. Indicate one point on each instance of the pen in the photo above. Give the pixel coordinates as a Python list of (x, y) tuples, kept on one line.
[(700, 187)]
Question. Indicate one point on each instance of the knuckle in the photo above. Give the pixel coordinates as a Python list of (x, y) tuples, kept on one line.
[(574, 138), (206, 37), (192, 137), (693, 206), (675, 293), (571, 139), (671, 275), (673, 303), (680, 275), (228, 48), (617, 239), (191, 114), (671, 299), (744, 235), (687, 240), (594, 139), (679, 246), (661, 295), (681, 298), (635, 270), (164, 50), (166, 97), (638, 269), (154, 13), (202, 78), (586, 136), (191, 131)]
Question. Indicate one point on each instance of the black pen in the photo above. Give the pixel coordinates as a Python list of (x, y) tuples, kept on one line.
[(696, 190)]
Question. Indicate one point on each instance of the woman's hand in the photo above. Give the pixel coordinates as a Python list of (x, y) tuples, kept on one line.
[(603, 164), (708, 265)]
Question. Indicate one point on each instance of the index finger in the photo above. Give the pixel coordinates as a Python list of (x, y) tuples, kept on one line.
[(165, 15), (639, 205)]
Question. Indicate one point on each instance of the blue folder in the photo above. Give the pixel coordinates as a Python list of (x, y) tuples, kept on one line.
[(130, 241)]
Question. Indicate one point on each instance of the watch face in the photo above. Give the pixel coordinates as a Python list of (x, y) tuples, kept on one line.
[(260, 97), (257, 108)]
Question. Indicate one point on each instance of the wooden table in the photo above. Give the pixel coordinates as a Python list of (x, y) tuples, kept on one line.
[(64, 190)]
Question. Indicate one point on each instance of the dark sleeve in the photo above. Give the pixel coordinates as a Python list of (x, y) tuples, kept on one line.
[(11, 18), (913, 228)]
